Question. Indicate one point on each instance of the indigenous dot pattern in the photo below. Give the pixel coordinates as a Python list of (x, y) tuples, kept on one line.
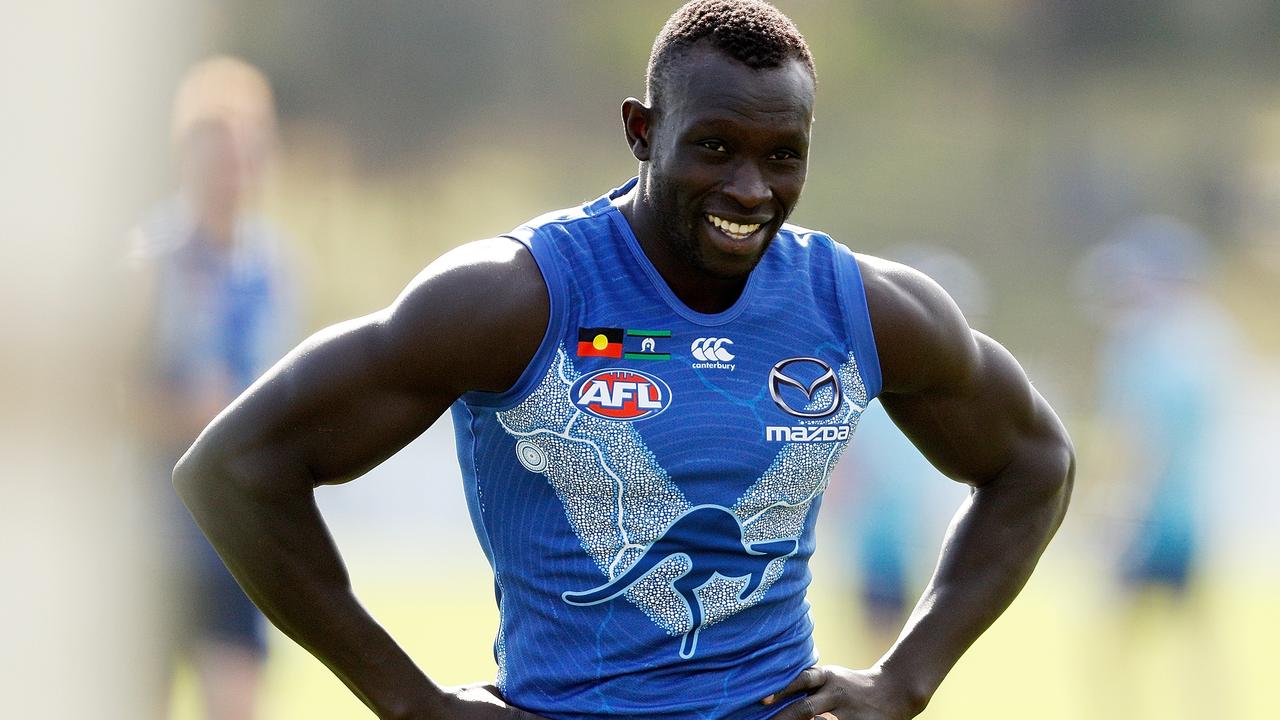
[(619, 500), (500, 645)]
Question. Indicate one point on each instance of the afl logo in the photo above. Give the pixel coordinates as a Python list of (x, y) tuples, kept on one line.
[(619, 394), (798, 384)]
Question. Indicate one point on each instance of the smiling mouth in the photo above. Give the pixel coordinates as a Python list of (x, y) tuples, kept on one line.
[(734, 230)]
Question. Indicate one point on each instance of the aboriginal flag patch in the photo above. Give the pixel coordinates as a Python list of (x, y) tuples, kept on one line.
[(600, 342)]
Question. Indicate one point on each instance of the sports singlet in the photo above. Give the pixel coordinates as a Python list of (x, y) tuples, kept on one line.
[(646, 492)]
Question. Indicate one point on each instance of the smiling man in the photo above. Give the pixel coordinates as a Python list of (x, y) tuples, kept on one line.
[(649, 394)]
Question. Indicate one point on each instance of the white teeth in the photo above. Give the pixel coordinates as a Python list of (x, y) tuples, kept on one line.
[(733, 229)]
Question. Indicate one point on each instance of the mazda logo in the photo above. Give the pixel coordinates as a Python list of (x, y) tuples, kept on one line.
[(791, 372)]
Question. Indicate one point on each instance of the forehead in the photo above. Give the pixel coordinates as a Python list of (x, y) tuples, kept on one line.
[(708, 85)]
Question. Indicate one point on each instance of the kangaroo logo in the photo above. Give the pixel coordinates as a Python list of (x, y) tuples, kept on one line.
[(713, 542), (685, 565)]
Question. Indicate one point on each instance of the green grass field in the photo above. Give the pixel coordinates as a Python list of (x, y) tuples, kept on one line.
[(1062, 652)]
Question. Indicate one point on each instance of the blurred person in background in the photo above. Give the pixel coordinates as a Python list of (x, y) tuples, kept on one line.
[(215, 307), (649, 392), (1168, 349), (886, 497)]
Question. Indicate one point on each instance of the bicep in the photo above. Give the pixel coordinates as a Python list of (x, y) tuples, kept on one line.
[(352, 395), (333, 408), (984, 418), (344, 402)]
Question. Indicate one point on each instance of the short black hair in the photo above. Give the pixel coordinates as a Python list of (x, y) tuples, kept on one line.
[(752, 32)]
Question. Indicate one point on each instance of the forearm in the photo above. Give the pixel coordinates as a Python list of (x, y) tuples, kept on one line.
[(278, 548), (989, 552)]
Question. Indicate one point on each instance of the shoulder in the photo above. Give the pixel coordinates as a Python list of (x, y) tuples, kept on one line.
[(149, 251), (491, 258), (805, 238), (160, 234), (922, 338), (813, 251), (491, 283), (481, 307)]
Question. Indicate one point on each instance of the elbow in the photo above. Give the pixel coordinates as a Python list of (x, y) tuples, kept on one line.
[(217, 478), (205, 478), (1040, 479), (1058, 475), (188, 476), (1069, 474)]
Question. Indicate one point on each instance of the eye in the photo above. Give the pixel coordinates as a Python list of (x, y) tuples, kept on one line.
[(713, 145), (784, 155)]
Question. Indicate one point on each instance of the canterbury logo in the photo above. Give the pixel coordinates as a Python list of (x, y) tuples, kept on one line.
[(709, 349)]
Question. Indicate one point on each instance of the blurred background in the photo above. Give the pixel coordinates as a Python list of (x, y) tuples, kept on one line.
[(1097, 183)]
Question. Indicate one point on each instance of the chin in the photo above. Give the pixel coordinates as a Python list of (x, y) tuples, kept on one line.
[(731, 263), (732, 267), (691, 242)]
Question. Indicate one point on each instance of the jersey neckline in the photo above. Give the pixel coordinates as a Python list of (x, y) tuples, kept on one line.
[(604, 205)]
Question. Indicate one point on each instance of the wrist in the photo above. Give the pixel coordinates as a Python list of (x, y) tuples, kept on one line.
[(403, 693), (912, 687), (425, 705)]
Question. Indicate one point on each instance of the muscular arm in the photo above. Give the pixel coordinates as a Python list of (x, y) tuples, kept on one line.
[(337, 405), (967, 405)]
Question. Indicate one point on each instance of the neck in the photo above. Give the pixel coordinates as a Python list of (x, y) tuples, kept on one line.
[(697, 289), (218, 228), (216, 219)]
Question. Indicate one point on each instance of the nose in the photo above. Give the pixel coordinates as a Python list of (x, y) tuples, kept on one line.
[(747, 186)]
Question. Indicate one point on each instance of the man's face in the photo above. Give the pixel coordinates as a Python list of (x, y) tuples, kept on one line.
[(728, 152), (222, 161), (211, 167)]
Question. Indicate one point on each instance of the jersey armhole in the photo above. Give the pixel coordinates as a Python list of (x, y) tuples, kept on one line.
[(536, 369), (857, 317)]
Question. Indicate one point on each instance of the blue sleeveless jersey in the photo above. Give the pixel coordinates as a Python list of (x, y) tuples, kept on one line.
[(646, 492)]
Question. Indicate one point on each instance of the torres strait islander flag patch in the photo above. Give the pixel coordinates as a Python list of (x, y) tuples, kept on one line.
[(600, 342), (644, 345)]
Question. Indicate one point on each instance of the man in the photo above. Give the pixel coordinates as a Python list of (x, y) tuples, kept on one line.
[(649, 393), (215, 309)]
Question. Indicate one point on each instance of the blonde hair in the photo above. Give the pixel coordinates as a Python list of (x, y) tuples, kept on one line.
[(227, 90)]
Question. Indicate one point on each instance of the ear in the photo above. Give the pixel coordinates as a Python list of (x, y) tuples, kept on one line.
[(637, 123)]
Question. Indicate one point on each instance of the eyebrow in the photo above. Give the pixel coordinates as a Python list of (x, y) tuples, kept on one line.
[(717, 124)]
